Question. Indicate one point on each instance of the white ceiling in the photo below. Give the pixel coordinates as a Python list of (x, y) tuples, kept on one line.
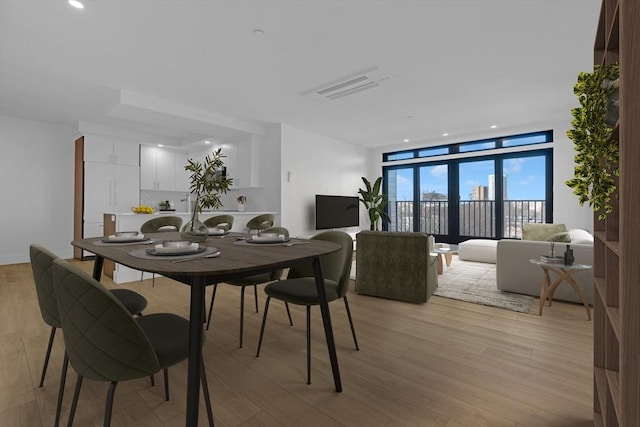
[(183, 70)]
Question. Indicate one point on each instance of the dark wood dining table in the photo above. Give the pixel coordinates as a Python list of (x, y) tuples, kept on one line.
[(237, 259)]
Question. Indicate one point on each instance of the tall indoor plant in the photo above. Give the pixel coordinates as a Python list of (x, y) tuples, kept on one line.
[(207, 185), (594, 177), (374, 201)]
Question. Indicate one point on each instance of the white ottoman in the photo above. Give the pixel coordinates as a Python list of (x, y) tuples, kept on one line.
[(479, 250)]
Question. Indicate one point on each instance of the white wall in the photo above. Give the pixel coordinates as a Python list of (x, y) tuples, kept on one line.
[(36, 188), (318, 165), (566, 208)]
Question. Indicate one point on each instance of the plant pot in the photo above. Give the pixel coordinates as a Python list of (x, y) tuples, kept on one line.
[(240, 207), (194, 230)]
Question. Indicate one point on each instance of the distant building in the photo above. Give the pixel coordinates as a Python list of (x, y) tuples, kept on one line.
[(492, 187), (431, 196), (480, 192)]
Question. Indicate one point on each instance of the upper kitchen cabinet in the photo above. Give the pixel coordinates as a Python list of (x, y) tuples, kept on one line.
[(162, 169), (104, 149)]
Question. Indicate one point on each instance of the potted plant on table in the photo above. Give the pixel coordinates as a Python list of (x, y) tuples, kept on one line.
[(207, 185), (241, 202), (374, 202)]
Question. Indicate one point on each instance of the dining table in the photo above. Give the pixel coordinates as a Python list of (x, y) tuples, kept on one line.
[(239, 256)]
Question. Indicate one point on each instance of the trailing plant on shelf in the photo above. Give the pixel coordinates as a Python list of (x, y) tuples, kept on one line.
[(374, 201), (207, 185), (594, 177)]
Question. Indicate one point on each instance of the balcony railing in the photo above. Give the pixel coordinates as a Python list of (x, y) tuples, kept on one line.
[(477, 217)]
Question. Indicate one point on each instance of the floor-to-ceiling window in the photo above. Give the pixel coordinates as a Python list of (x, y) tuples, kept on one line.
[(484, 189)]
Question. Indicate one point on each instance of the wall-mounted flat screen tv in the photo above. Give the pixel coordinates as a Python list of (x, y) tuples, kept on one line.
[(336, 212)]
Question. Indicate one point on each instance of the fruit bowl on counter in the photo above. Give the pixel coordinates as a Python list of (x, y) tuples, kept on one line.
[(142, 209)]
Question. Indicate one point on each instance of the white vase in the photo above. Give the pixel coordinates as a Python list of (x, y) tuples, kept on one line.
[(240, 207)]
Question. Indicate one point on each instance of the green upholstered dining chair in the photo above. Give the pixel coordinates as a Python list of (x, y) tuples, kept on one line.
[(41, 265), (300, 287), (255, 280), (260, 222), (106, 343), (162, 223), (224, 222)]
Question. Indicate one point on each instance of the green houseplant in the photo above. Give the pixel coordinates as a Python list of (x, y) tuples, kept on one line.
[(207, 185), (594, 177), (374, 202)]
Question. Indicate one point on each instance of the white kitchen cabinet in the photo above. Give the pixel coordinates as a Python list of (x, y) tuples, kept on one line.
[(107, 188), (162, 169), (182, 176), (104, 149)]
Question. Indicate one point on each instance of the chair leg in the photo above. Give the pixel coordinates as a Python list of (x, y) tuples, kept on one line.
[(166, 384), (46, 357), (213, 298), (353, 330), (153, 280), (153, 380), (63, 380), (286, 305), (308, 344), (255, 296), (109, 406), (205, 393), (241, 313), (264, 321), (74, 402)]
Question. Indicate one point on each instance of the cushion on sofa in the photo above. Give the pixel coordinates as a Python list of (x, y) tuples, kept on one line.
[(564, 237), (580, 236), (535, 231)]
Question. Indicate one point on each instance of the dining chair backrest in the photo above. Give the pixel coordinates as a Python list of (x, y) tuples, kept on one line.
[(336, 266), (42, 264), (224, 222), (261, 222), (154, 225), (102, 339)]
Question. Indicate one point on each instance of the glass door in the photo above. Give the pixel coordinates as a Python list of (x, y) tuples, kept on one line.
[(477, 189), (525, 191), (400, 189), (434, 199)]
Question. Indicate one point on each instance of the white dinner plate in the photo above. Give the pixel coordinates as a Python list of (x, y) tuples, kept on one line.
[(176, 250)]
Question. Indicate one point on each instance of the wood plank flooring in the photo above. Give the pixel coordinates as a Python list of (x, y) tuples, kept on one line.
[(445, 363)]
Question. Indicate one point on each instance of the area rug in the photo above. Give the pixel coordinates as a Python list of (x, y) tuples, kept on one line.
[(475, 282)]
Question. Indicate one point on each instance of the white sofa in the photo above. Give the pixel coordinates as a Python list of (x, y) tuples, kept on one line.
[(514, 272)]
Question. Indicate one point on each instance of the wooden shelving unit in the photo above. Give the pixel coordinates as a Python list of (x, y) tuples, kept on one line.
[(617, 238)]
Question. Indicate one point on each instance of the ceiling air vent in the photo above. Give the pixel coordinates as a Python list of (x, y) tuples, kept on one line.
[(358, 82)]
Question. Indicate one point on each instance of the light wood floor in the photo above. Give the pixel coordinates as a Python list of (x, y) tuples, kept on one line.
[(444, 363)]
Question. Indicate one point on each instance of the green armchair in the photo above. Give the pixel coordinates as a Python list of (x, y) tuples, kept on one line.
[(395, 265)]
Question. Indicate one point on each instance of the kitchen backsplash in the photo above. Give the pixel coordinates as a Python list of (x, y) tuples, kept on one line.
[(255, 199)]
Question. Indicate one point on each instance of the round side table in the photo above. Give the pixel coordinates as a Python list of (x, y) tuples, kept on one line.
[(563, 273)]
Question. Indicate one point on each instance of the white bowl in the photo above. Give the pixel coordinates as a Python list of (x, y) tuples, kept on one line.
[(126, 234), (176, 244), (191, 247)]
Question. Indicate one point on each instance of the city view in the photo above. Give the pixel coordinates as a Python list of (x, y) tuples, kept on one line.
[(522, 197)]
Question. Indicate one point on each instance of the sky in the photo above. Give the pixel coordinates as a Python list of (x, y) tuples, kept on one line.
[(525, 178)]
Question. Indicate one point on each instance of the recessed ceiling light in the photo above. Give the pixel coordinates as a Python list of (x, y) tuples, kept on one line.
[(160, 145), (207, 142), (76, 4), (258, 32), (445, 134), (406, 140), (493, 126), (409, 117)]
